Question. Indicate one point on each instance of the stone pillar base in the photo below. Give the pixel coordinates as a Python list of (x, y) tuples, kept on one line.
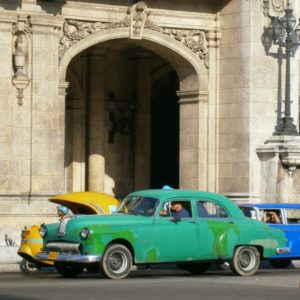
[(280, 159)]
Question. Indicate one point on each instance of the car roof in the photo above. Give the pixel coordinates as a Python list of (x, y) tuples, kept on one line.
[(272, 205), (167, 193), (193, 195)]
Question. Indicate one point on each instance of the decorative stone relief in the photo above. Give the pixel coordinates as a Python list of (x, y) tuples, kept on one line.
[(271, 7), (137, 20), (138, 14), (21, 37), (277, 5), (266, 6)]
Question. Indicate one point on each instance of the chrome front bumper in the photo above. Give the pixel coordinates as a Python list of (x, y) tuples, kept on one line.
[(283, 250), (76, 258)]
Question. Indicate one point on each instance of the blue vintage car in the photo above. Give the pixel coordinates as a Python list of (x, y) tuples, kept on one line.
[(284, 216)]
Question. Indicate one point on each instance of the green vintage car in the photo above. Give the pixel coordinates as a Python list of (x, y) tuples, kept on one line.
[(190, 228)]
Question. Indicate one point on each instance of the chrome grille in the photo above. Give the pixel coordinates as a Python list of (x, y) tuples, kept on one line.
[(63, 247)]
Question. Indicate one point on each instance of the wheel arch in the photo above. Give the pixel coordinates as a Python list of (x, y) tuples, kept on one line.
[(125, 243), (260, 248)]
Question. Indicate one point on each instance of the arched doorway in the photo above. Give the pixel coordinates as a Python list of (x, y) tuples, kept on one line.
[(128, 75), (124, 119)]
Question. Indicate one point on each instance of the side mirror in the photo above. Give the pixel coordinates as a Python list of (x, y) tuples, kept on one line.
[(176, 219)]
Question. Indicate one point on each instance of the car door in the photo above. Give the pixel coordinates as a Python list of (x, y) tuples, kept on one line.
[(291, 229), (280, 225), (175, 239), (214, 226)]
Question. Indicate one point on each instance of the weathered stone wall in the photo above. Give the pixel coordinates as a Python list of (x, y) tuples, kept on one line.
[(33, 105)]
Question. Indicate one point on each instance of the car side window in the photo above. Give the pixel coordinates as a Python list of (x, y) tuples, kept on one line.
[(272, 216), (292, 216), (177, 208), (209, 209)]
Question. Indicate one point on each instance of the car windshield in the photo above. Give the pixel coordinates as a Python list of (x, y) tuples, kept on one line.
[(139, 205)]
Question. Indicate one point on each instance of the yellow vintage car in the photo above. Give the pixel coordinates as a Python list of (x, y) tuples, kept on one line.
[(87, 203)]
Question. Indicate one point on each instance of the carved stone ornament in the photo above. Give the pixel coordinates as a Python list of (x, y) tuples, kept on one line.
[(274, 6), (22, 25), (266, 6), (21, 35), (277, 5), (137, 20)]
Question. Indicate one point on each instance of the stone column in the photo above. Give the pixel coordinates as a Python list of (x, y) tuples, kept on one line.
[(74, 147), (213, 38), (48, 110), (193, 140), (96, 124), (143, 123)]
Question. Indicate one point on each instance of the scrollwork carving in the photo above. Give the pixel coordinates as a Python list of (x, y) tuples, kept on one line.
[(137, 20), (278, 5), (266, 7), (274, 6)]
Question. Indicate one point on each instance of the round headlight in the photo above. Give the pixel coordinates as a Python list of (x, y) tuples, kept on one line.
[(43, 231), (84, 234)]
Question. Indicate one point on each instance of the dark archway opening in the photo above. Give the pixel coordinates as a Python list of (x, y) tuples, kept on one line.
[(165, 132)]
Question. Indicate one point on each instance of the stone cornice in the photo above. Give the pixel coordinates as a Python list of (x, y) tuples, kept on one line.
[(136, 20), (193, 20), (6, 17), (286, 147)]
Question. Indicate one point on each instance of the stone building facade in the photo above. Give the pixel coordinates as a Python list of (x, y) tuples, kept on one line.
[(116, 96)]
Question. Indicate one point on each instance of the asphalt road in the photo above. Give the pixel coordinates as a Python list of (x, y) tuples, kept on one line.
[(153, 284)]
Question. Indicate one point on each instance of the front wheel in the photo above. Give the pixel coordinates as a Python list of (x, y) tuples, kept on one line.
[(280, 263), (68, 269), (28, 267), (116, 261), (245, 261)]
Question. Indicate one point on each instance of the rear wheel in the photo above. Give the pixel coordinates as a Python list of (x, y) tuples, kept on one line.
[(68, 269), (280, 263), (245, 261), (28, 267), (116, 262)]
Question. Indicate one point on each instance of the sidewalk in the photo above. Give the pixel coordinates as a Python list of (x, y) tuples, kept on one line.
[(9, 259)]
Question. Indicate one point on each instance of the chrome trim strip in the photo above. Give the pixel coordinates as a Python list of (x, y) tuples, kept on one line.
[(283, 250), (70, 258)]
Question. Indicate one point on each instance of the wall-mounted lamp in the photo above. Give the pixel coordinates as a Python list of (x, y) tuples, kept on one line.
[(122, 120)]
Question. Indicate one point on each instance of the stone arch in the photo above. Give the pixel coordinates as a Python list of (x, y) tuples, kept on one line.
[(193, 95), (191, 70)]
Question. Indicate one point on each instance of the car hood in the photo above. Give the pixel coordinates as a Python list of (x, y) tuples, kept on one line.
[(78, 222), (87, 202)]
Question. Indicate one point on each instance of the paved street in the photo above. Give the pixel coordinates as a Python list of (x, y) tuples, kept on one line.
[(153, 284)]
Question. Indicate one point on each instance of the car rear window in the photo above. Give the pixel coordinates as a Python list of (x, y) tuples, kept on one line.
[(292, 216), (209, 209)]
